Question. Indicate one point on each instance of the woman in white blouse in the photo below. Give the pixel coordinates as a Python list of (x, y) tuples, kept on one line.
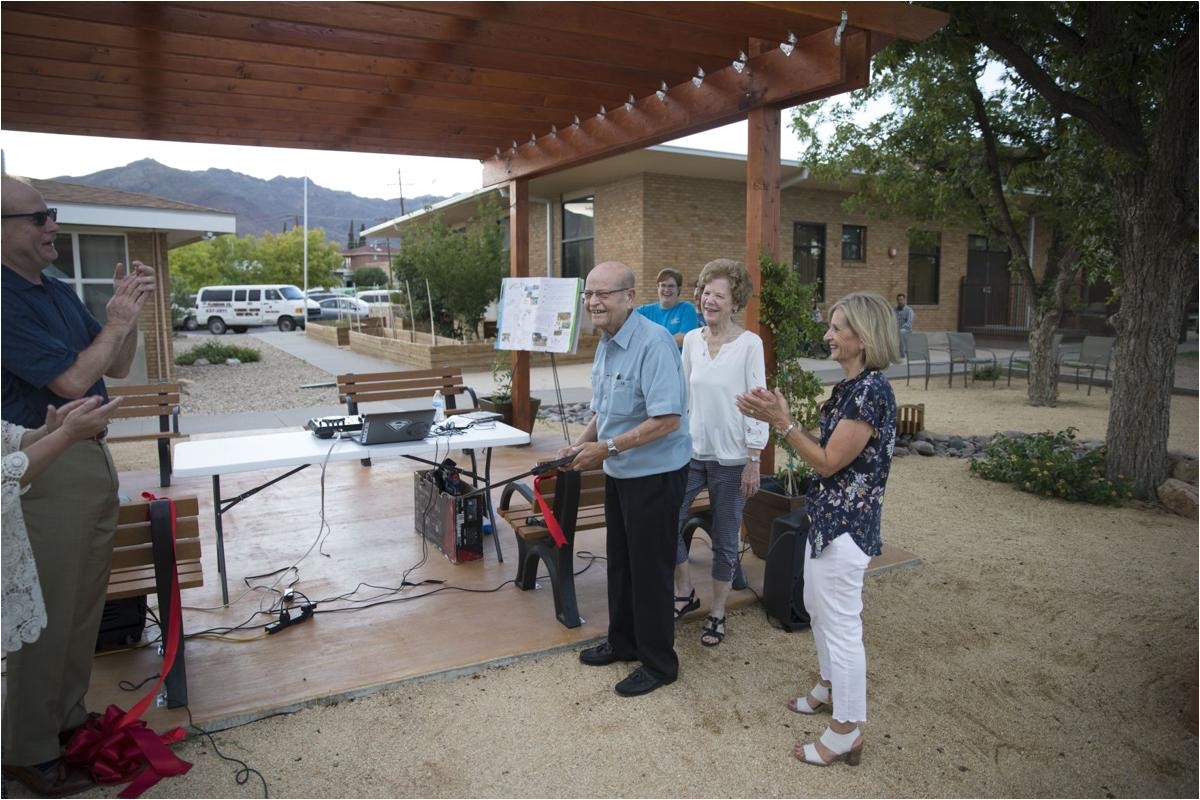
[(721, 361), (26, 453)]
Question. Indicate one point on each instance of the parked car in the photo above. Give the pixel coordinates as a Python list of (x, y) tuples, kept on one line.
[(344, 308), (220, 308), (321, 294), (376, 296), (184, 318)]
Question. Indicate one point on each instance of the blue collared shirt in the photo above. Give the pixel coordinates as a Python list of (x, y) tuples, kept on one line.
[(638, 374), (851, 500), (679, 318), (43, 330)]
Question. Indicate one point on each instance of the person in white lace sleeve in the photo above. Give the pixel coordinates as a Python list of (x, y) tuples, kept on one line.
[(27, 453)]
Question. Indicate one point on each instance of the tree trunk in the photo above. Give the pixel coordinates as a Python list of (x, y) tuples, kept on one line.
[(1043, 361), (1156, 207), (1156, 267)]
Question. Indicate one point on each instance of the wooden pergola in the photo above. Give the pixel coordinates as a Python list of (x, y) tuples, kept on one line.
[(526, 88)]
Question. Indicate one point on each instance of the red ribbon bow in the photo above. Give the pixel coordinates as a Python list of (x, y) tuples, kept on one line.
[(556, 531), (119, 746)]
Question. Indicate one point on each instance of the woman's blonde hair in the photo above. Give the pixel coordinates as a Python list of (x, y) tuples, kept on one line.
[(741, 285), (873, 321)]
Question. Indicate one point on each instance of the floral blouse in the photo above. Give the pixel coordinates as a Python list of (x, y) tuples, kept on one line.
[(851, 501)]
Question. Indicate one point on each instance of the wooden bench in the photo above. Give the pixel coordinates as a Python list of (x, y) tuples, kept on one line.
[(371, 387), (374, 387), (151, 400), (141, 564), (577, 502)]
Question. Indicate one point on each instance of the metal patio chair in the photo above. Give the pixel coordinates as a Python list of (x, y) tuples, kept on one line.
[(962, 350), (918, 350), (1095, 353), (1020, 358)]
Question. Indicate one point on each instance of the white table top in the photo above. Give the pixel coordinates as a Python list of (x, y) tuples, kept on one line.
[(205, 457)]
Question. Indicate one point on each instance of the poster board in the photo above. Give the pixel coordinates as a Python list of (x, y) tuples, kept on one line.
[(539, 314)]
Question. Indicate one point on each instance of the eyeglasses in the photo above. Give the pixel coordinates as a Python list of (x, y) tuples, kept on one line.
[(39, 217), (603, 294), (668, 287)]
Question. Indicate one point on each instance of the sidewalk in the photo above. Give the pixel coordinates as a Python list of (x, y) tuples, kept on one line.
[(574, 379)]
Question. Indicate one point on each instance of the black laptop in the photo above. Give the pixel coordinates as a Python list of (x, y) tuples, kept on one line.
[(396, 426)]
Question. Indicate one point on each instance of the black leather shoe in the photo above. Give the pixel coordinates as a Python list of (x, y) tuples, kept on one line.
[(57, 779), (640, 682), (601, 655)]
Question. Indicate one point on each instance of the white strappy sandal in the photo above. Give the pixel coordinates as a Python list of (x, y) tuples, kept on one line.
[(846, 747), (802, 705)]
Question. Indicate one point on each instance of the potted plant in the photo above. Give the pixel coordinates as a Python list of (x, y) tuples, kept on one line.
[(500, 400), (782, 293)]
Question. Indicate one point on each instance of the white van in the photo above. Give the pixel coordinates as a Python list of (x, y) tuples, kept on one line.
[(219, 308)]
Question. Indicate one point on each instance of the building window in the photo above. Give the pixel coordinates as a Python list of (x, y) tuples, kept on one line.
[(86, 261), (808, 255), (854, 243), (924, 267), (578, 237)]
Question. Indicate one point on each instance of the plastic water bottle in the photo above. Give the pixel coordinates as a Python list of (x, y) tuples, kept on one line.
[(439, 407)]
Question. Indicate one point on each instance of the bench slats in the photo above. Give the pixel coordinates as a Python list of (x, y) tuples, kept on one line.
[(138, 510), (137, 582), (143, 437), (138, 533), (139, 555)]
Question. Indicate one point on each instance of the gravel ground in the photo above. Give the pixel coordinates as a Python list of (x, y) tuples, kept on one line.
[(272, 384)]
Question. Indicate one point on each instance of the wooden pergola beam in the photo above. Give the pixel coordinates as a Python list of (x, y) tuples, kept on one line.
[(816, 68)]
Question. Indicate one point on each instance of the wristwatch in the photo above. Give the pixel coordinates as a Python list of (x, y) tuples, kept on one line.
[(612, 448)]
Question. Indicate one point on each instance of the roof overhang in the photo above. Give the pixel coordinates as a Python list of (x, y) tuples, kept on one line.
[(448, 79)]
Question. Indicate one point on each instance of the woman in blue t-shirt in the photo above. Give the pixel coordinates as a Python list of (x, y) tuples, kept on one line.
[(852, 457), (677, 316)]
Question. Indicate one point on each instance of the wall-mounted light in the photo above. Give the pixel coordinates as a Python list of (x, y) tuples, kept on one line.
[(892, 252)]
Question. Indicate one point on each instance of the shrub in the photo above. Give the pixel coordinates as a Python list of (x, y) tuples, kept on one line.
[(217, 353), (1050, 464)]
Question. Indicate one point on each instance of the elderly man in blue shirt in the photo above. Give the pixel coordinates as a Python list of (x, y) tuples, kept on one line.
[(54, 351), (640, 434)]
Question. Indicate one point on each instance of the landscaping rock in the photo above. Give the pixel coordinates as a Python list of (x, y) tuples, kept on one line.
[(1183, 468), (232, 362), (201, 362), (924, 448), (1179, 497)]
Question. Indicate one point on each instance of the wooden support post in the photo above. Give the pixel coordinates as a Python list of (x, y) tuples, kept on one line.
[(518, 267), (763, 176)]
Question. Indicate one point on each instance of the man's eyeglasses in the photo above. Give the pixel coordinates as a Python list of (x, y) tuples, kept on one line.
[(39, 217), (603, 294)]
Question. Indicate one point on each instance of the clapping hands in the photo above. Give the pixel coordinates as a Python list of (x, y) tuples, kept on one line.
[(131, 290), (83, 418)]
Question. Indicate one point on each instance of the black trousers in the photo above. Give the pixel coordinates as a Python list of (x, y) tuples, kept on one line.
[(643, 521)]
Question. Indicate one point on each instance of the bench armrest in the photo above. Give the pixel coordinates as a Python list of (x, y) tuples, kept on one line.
[(521, 489)]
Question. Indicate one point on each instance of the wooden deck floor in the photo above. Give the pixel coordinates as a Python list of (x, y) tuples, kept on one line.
[(476, 617)]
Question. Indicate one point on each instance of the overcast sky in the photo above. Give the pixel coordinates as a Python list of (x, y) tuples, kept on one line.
[(40, 155)]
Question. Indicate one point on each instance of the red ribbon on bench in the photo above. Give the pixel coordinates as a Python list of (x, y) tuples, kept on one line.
[(556, 531), (119, 746)]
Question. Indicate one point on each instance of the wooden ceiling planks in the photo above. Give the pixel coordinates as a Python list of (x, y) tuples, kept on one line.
[(457, 79)]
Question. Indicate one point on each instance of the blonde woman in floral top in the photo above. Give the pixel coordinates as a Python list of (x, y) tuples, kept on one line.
[(852, 457)]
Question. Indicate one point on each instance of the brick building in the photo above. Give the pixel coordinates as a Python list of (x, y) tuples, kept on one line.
[(668, 206), (367, 255), (99, 227)]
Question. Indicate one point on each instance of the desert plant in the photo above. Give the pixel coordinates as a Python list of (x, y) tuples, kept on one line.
[(217, 353), (502, 377), (987, 372), (783, 295), (1050, 464)]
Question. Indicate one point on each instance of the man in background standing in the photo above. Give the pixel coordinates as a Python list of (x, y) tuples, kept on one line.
[(677, 316), (640, 434), (904, 320), (53, 351)]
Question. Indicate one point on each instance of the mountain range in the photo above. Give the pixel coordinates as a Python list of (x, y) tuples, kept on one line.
[(261, 206)]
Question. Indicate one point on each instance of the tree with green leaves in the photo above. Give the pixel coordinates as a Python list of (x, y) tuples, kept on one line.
[(463, 267), (271, 258), (953, 152), (1128, 73), (369, 277)]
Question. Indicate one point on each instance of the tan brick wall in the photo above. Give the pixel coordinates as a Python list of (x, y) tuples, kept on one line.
[(154, 324), (620, 223)]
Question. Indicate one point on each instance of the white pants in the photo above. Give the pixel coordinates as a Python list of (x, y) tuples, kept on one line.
[(833, 585)]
